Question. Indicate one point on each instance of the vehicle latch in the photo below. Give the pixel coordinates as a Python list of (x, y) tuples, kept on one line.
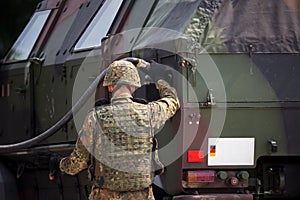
[(211, 101), (274, 146)]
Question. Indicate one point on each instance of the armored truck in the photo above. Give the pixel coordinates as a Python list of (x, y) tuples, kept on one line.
[(234, 63)]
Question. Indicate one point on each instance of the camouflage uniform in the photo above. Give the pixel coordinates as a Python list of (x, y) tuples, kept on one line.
[(120, 135)]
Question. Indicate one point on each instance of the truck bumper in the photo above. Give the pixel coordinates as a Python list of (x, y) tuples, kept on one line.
[(215, 197)]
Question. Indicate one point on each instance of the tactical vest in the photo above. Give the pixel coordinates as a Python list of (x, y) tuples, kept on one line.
[(123, 155)]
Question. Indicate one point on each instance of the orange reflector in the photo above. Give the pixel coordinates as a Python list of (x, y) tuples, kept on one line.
[(195, 156), (200, 176), (51, 177)]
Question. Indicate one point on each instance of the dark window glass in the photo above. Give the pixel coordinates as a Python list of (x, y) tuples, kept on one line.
[(24, 44)]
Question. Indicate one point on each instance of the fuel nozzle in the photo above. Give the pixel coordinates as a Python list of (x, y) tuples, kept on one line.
[(138, 62)]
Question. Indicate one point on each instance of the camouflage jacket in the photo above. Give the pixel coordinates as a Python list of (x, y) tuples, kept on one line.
[(120, 136)]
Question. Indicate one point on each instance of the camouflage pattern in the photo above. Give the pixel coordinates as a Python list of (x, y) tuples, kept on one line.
[(127, 144), (105, 194), (122, 133), (201, 28), (77, 161), (122, 72)]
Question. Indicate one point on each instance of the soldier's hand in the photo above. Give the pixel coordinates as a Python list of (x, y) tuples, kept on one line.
[(159, 71)]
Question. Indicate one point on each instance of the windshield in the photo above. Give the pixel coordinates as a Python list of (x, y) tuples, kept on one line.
[(24, 44)]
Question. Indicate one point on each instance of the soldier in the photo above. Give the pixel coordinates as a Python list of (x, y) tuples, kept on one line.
[(117, 141)]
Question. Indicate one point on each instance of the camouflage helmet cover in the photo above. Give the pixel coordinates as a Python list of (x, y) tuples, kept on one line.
[(122, 72)]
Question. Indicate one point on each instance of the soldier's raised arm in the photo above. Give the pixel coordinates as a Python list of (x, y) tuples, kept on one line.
[(164, 108)]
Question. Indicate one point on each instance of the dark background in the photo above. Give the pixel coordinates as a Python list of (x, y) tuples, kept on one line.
[(14, 15)]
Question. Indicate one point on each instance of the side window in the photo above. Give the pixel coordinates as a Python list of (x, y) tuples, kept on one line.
[(24, 44), (99, 26)]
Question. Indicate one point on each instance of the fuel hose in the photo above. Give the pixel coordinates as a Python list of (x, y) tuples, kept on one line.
[(69, 115), (58, 125)]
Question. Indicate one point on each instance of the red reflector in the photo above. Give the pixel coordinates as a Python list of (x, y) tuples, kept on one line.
[(200, 176), (234, 181), (195, 156)]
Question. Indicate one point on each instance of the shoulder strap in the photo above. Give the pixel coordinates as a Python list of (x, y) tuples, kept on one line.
[(95, 168), (99, 179), (158, 167)]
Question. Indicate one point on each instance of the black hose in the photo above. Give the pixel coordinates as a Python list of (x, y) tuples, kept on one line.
[(53, 129)]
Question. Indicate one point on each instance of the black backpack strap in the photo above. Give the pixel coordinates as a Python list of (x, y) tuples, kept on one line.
[(139, 100), (101, 102)]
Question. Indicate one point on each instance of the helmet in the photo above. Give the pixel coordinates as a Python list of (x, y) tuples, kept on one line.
[(122, 72)]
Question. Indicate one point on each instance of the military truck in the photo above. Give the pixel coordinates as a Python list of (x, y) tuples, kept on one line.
[(234, 64)]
